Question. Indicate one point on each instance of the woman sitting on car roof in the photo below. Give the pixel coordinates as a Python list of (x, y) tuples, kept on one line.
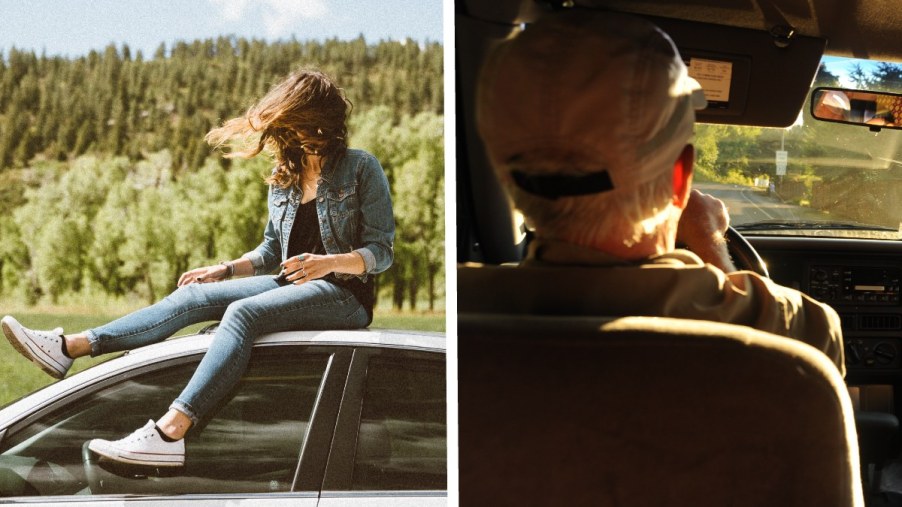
[(330, 229)]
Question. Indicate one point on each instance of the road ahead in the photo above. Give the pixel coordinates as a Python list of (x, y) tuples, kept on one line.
[(748, 205)]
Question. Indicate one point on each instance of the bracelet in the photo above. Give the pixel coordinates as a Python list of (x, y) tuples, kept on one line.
[(230, 269)]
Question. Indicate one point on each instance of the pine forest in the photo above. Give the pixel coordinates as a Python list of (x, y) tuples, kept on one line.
[(107, 187)]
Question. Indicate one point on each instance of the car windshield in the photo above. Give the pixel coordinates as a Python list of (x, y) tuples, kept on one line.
[(814, 178)]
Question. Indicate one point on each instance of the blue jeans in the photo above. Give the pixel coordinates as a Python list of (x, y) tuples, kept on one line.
[(247, 308)]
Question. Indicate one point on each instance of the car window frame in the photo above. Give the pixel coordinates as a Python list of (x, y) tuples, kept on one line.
[(338, 478), (313, 455), (97, 384)]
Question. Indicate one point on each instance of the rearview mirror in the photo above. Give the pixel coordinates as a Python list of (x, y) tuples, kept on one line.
[(876, 110)]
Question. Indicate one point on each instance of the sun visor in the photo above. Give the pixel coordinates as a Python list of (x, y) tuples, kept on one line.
[(507, 12), (750, 77)]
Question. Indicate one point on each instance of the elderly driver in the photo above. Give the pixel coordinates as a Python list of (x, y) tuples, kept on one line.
[(588, 120)]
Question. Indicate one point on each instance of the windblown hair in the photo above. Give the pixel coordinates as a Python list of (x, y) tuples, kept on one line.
[(305, 114)]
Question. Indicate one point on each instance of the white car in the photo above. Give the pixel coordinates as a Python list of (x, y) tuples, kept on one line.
[(321, 418)]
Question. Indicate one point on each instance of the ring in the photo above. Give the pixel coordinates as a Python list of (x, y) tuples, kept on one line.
[(304, 272)]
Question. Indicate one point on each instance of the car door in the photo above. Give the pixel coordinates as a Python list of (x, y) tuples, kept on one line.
[(390, 444), (247, 452)]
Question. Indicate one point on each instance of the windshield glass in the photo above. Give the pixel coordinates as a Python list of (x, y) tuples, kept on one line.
[(813, 178)]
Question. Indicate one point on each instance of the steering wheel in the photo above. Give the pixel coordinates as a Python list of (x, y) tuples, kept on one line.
[(744, 254)]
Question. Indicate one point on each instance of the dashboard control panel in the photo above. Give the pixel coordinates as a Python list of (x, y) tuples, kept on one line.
[(857, 285), (877, 353), (861, 280)]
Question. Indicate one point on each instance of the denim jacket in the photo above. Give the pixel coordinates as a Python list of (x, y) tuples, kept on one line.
[(355, 215)]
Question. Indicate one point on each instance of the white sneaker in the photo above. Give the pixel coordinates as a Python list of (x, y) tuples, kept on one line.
[(143, 447), (44, 348)]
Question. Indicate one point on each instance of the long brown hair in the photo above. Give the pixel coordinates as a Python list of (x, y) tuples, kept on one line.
[(305, 114)]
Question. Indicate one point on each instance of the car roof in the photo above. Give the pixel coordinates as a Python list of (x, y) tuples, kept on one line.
[(194, 344)]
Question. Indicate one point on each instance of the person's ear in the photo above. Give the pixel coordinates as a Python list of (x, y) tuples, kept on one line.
[(682, 176)]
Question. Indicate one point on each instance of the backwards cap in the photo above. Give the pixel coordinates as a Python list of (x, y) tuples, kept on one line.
[(604, 87)]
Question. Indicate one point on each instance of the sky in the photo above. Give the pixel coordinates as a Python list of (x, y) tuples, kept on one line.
[(842, 67), (75, 27)]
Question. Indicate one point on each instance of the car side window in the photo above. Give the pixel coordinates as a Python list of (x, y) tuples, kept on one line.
[(402, 438), (250, 444)]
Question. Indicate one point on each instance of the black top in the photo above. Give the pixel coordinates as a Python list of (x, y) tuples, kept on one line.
[(306, 237)]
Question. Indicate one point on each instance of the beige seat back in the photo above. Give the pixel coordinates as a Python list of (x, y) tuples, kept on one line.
[(644, 411)]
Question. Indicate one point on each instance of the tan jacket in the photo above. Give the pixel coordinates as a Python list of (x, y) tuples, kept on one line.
[(565, 279)]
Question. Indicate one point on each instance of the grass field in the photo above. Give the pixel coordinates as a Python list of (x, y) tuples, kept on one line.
[(20, 377)]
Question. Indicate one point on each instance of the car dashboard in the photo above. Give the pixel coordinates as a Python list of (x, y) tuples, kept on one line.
[(860, 279)]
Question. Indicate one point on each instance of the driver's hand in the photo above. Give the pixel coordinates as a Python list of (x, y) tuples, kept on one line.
[(704, 220), (701, 229)]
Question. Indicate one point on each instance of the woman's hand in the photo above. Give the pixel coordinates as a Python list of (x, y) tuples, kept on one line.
[(305, 267), (206, 274)]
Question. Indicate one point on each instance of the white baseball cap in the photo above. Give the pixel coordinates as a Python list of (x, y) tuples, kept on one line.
[(603, 87)]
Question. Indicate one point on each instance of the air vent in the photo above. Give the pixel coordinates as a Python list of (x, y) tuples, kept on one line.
[(879, 322), (848, 321)]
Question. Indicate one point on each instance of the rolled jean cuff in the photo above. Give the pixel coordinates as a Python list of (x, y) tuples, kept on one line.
[(369, 260), (95, 344), (257, 261), (185, 409)]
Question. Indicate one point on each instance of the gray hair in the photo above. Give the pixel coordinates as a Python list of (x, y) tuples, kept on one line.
[(627, 213)]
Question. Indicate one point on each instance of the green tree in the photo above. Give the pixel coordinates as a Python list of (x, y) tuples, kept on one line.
[(137, 196), (419, 200)]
